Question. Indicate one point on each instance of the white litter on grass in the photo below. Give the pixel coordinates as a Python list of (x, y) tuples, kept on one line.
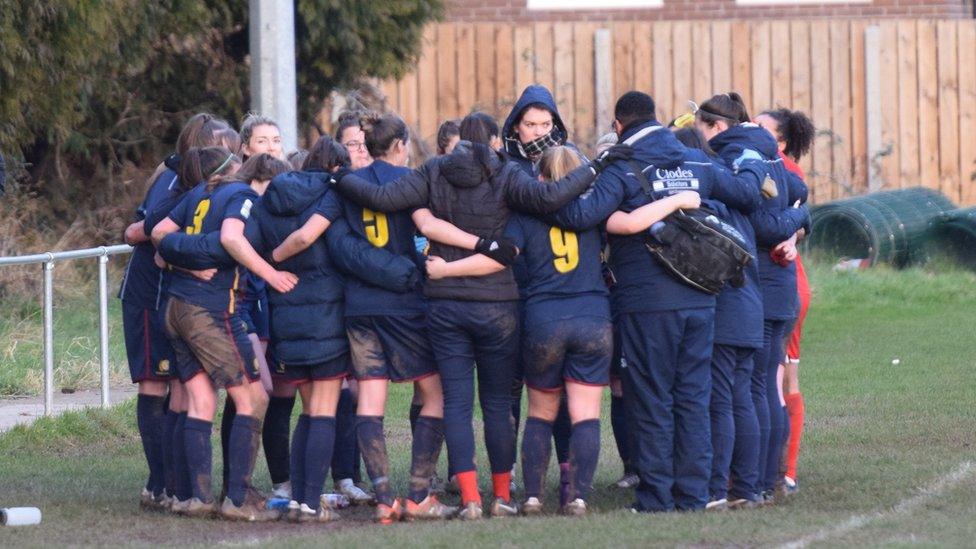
[(905, 506)]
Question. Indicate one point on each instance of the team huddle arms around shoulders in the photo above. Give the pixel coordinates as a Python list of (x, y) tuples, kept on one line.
[(509, 258)]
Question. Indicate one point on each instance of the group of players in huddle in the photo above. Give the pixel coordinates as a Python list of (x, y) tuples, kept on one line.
[(508, 258)]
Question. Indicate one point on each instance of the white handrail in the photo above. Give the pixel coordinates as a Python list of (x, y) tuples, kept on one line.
[(47, 259)]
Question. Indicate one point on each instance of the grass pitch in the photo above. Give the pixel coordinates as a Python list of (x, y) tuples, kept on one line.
[(887, 460)]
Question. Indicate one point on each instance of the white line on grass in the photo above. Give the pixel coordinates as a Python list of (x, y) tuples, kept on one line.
[(904, 506)]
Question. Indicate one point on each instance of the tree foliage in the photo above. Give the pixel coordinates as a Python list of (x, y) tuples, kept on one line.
[(87, 86)]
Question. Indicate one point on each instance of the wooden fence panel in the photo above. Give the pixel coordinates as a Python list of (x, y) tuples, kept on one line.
[(840, 121), (967, 111), (928, 113), (927, 80), (890, 133), (908, 102), (663, 83), (948, 121)]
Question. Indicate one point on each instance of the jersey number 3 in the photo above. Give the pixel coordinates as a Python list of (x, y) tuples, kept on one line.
[(202, 208), (377, 230), (566, 249)]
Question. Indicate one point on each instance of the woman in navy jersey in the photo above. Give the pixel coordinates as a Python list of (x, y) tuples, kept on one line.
[(208, 335), (388, 336), (143, 293)]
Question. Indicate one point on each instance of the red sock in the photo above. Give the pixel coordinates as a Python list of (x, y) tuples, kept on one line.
[(794, 408), (468, 483), (503, 485)]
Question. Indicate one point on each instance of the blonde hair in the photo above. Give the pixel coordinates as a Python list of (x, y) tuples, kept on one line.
[(558, 161)]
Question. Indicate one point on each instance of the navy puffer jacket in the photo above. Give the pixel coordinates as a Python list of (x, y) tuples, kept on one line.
[(307, 324)]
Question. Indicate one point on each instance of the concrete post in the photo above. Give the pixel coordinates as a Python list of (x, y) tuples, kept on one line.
[(273, 84)]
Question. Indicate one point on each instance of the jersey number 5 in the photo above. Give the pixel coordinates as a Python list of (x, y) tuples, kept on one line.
[(202, 208), (566, 249), (377, 230)]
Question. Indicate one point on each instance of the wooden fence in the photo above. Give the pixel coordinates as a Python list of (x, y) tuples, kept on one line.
[(894, 101)]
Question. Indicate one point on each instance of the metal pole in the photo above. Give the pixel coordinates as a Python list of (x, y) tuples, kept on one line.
[(103, 323), (273, 80), (49, 337)]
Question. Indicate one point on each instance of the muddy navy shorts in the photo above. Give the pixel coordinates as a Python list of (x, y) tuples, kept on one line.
[(214, 342), (577, 350), (333, 368), (390, 347), (150, 354)]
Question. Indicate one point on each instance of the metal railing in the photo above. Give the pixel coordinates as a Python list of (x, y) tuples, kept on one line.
[(47, 259)]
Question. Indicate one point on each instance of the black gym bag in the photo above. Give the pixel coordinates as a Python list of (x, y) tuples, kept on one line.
[(697, 247)]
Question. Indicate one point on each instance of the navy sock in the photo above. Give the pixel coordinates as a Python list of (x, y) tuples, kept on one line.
[(275, 437), (245, 436), (150, 416), (621, 431), (345, 455), (414, 414), (562, 429), (226, 426), (428, 437), (199, 457), (536, 448), (169, 464), (372, 445), (299, 442), (320, 443), (181, 468), (583, 455)]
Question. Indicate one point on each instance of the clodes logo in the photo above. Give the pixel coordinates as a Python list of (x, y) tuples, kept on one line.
[(679, 173)]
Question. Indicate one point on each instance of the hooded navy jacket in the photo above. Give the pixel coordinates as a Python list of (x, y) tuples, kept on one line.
[(643, 285), (531, 95), (307, 324), (775, 221), (388, 231)]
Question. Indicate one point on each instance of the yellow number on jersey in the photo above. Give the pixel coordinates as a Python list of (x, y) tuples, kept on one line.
[(566, 249), (377, 230), (202, 208)]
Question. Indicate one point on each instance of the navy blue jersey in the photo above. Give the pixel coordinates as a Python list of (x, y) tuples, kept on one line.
[(560, 265), (144, 282), (203, 212), (391, 231), (643, 285)]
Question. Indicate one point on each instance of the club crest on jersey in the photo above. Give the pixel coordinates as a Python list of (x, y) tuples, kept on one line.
[(164, 365), (246, 208)]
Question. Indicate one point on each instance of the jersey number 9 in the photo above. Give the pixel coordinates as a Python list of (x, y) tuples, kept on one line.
[(377, 230), (202, 208), (566, 249)]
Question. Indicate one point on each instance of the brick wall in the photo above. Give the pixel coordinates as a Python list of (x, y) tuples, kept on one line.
[(516, 10)]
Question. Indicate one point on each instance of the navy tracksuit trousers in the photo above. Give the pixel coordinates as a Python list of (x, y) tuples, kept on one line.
[(462, 334), (735, 429), (667, 383), (765, 395)]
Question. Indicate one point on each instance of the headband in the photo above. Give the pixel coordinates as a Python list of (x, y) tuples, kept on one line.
[(222, 165)]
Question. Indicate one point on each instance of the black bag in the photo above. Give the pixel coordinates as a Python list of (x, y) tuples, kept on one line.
[(697, 247)]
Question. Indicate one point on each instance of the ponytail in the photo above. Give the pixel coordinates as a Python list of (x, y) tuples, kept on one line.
[(325, 155), (478, 127), (207, 164), (382, 131)]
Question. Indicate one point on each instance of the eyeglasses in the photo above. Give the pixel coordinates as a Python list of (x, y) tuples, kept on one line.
[(353, 145)]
